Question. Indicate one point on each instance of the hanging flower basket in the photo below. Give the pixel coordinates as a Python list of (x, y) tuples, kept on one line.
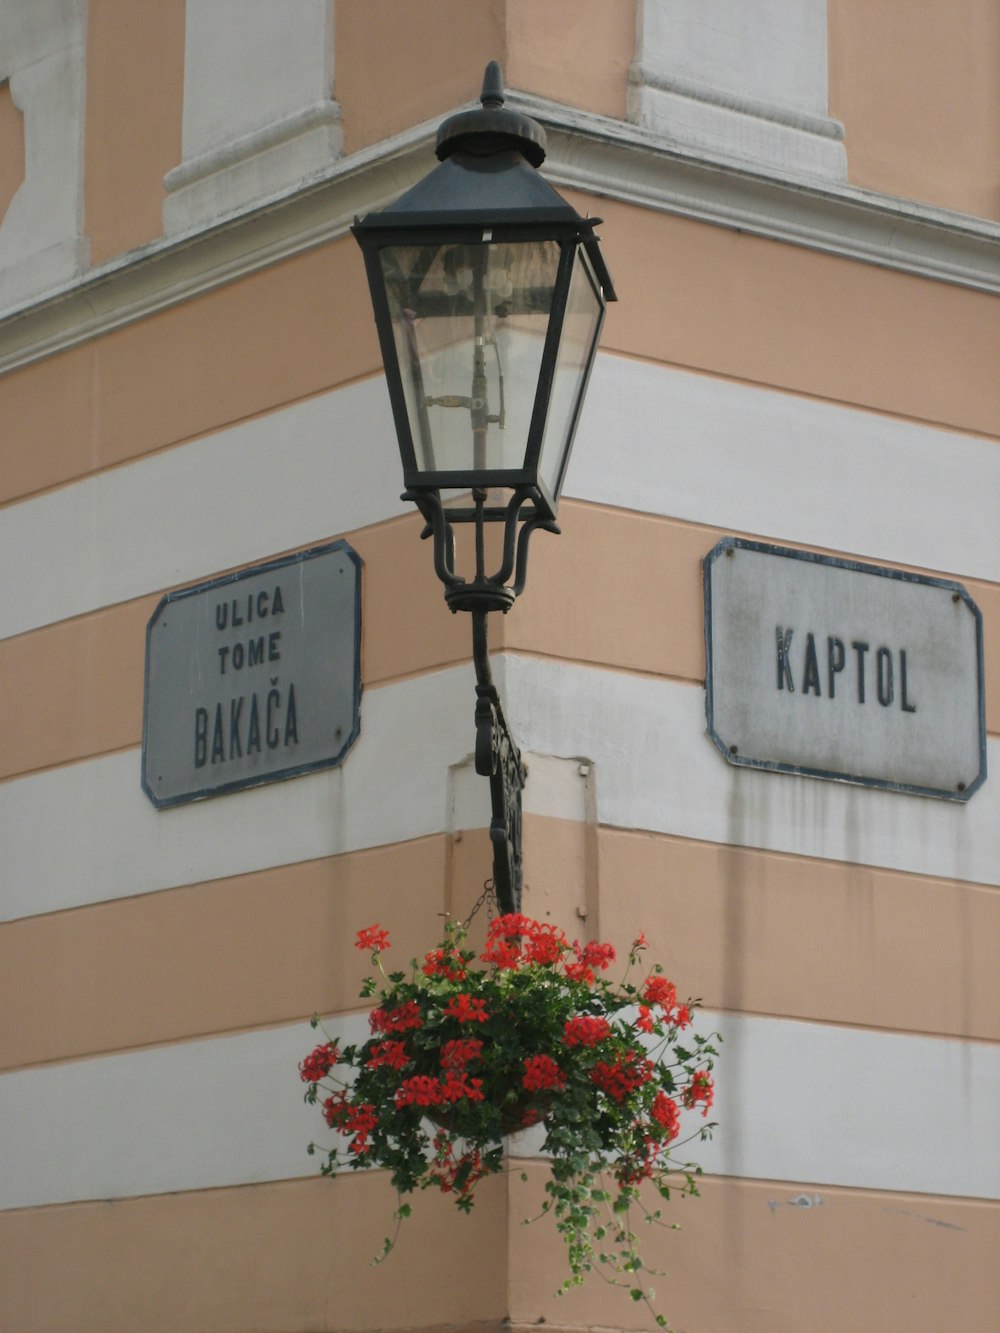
[(465, 1050)]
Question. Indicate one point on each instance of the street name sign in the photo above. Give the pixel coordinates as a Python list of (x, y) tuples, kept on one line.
[(836, 669), (253, 677)]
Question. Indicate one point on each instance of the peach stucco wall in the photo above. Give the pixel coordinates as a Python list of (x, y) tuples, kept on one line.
[(397, 65), (401, 64), (750, 1257), (917, 89), (135, 88)]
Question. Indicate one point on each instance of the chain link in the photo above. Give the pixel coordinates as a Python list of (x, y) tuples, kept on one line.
[(487, 898)]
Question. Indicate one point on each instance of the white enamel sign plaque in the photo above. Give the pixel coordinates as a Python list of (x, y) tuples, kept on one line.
[(842, 670), (253, 677)]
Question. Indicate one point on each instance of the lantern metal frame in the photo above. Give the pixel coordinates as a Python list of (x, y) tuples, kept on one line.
[(487, 192), (375, 238)]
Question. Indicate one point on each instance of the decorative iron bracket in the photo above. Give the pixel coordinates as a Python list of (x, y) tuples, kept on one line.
[(485, 592), (498, 758)]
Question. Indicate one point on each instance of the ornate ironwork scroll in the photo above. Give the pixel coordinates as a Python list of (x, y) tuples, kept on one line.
[(498, 758)]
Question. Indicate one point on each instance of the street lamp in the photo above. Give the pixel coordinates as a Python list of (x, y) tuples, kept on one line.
[(489, 292)]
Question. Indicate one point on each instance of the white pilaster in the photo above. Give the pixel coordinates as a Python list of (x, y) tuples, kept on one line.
[(259, 114), (43, 60), (743, 82)]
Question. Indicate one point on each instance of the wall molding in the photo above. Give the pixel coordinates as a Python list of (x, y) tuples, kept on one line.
[(250, 145), (586, 152), (826, 127)]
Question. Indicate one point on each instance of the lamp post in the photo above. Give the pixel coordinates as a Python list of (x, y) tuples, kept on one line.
[(489, 293)]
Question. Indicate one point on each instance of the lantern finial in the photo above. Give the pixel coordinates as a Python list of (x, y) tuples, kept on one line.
[(492, 94)]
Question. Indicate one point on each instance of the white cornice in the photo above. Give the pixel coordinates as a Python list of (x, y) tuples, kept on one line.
[(591, 153), (610, 158)]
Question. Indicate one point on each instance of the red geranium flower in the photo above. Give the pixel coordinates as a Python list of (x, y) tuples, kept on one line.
[(541, 1072), (442, 963), (666, 1114), (359, 1121), (512, 925), (514, 939), (585, 1030), (502, 953), (458, 1085), (400, 1019), (457, 1054), (623, 1076), (645, 1020), (335, 1108), (702, 1089), (391, 1053), (373, 939), (420, 1090), (318, 1063), (467, 1009), (546, 945), (658, 990), (598, 955), (590, 956)]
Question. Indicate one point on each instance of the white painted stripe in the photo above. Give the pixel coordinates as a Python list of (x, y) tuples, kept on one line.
[(225, 1111), (818, 1103), (281, 480), (796, 1101), (394, 785), (651, 438), (656, 769), (653, 765), (736, 456)]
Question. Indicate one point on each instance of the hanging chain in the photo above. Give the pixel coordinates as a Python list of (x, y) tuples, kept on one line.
[(487, 898)]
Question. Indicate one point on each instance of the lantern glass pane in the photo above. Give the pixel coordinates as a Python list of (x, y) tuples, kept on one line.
[(582, 324), (469, 323)]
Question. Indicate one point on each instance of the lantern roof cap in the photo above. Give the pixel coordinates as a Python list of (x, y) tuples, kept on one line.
[(468, 189), (492, 127)]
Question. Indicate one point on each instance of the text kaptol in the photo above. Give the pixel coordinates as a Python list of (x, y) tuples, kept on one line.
[(886, 670)]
